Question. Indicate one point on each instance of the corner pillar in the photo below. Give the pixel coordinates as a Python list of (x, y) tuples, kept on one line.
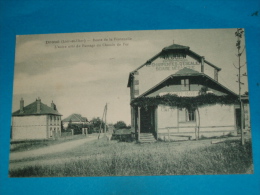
[(139, 123)]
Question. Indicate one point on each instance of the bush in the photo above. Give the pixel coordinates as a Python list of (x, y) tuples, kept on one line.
[(120, 125), (96, 123)]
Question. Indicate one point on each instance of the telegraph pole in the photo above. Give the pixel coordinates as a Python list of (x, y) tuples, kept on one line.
[(103, 117), (239, 34)]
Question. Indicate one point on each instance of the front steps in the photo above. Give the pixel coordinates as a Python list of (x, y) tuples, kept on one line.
[(147, 138)]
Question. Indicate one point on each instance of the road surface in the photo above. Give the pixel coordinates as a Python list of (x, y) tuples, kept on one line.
[(18, 159)]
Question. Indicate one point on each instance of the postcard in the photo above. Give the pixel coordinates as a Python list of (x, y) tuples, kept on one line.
[(131, 103)]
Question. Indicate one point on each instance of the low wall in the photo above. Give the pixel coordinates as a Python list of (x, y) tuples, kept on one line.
[(210, 133)]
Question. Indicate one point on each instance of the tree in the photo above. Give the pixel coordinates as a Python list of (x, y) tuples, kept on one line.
[(120, 125), (96, 123), (69, 125), (62, 127), (239, 34)]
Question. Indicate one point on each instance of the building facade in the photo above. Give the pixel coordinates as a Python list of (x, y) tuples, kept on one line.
[(36, 121), (76, 119), (176, 95)]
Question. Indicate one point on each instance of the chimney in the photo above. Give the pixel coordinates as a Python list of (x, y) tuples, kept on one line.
[(53, 106), (38, 102), (21, 105)]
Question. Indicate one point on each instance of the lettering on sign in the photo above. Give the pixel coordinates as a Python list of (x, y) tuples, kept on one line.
[(173, 64)]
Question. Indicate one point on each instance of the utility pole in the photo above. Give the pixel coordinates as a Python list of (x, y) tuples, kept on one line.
[(239, 34), (103, 116)]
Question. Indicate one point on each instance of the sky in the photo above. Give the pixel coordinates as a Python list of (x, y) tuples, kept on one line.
[(81, 72)]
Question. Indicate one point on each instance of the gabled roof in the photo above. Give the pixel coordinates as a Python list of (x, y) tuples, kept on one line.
[(169, 48), (175, 46), (75, 118), (31, 109), (207, 62), (187, 72)]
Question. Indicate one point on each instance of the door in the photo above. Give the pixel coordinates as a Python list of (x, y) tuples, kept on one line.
[(147, 120)]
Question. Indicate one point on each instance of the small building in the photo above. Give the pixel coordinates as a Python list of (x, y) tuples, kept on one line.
[(75, 119), (176, 95), (36, 121)]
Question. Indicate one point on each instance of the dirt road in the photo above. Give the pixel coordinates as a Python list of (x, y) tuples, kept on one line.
[(50, 149)]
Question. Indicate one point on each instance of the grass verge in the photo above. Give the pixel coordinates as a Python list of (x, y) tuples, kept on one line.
[(159, 159)]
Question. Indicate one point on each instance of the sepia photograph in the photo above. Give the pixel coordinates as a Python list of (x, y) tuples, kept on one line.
[(131, 103)]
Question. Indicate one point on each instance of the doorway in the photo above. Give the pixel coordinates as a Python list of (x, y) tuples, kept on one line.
[(147, 121)]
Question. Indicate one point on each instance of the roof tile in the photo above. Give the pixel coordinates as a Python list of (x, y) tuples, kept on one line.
[(31, 109), (176, 46), (186, 71), (75, 118)]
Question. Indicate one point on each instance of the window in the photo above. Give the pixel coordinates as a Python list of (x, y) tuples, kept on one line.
[(186, 115), (190, 115), (185, 84)]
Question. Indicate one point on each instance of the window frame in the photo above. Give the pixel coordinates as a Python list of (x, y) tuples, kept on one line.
[(185, 84), (189, 116)]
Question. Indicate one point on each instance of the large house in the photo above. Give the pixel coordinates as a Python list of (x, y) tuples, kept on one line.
[(176, 94), (76, 119), (36, 121)]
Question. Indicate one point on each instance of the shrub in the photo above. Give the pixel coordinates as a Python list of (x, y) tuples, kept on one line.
[(120, 125)]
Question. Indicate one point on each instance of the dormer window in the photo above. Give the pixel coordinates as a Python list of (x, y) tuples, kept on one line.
[(185, 84)]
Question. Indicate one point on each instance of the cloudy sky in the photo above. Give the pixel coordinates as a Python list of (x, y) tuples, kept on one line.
[(83, 79)]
